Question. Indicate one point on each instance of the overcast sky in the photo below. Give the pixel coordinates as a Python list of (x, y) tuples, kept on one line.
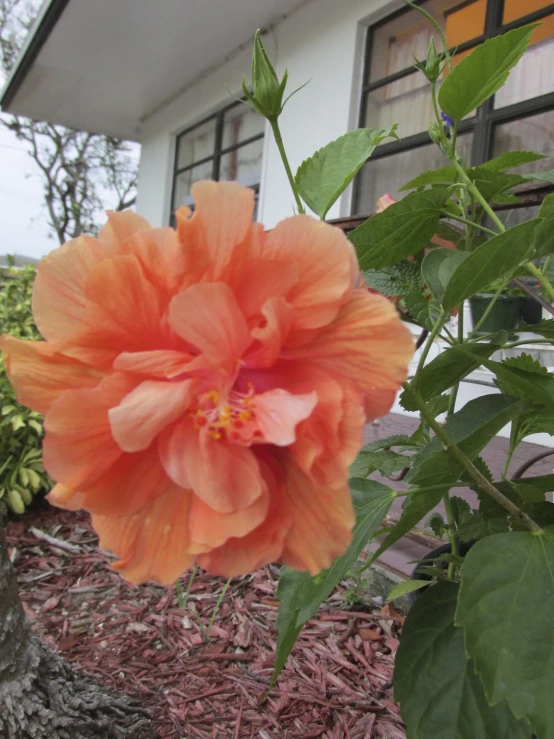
[(23, 222)]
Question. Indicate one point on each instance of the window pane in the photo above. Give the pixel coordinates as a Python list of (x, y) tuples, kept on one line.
[(387, 174), (244, 164), (534, 133), (406, 101), (514, 9), (394, 42), (240, 123), (196, 144), (185, 180), (534, 73)]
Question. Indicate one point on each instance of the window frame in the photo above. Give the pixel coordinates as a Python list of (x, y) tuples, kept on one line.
[(488, 117), (218, 150)]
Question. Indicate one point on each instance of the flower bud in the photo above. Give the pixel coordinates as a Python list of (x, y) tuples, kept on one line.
[(267, 92)]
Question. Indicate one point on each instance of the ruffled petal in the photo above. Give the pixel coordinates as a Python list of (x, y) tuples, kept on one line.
[(207, 317), (322, 520), (161, 255), (153, 543), (269, 338), (161, 363), (278, 413), (147, 410), (210, 529), (225, 476), (79, 446), (367, 344), (122, 225), (40, 374), (326, 265), (59, 304), (64, 497), (130, 483), (262, 280), (222, 220)]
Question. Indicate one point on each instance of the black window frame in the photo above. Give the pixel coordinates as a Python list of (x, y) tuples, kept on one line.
[(488, 117), (218, 151)]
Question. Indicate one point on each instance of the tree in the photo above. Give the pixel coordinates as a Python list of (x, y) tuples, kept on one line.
[(40, 695), (83, 173)]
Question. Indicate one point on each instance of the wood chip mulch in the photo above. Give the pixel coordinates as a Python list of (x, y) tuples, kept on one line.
[(336, 684)]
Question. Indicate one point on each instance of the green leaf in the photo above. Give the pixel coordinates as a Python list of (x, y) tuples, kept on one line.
[(438, 267), (529, 383), (544, 236), (471, 428), (322, 178), (416, 507), (441, 176), (398, 279), (491, 183), (512, 159), (529, 493), (439, 693), (424, 310), (547, 207), (544, 328), (483, 72), (400, 231), (402, 441), (300, 594), (506, 609), (403, 588), (386, 462), (441, 373), (490, 262), (477, 526)]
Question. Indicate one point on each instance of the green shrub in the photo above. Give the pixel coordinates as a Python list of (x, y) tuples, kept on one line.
[(21, 472)]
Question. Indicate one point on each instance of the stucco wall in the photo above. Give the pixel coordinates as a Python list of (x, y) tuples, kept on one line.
[(322, 42)]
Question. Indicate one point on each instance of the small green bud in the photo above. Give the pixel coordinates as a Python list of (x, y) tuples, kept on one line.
[(433, 62), (267, 92), (435, 134)]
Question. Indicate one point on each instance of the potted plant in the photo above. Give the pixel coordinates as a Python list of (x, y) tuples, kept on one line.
[(496, 308)]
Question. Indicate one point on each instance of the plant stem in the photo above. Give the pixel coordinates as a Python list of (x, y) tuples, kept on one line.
[(522, 342), (189, 586), (279, 141), (470, 223), (488, 309), (467, 464), (432, 336), (179, 590), (437, 28), (477, 194), (216, 609), (426, 489), (452, 537), (454, 390), (542, 278)]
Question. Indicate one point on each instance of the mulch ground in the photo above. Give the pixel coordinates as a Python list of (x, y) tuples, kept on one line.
[(202, 683)]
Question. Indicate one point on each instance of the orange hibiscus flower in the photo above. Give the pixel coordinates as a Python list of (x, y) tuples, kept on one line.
[(205, 388)]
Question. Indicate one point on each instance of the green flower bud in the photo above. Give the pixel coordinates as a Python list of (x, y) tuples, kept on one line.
[(267, 92)]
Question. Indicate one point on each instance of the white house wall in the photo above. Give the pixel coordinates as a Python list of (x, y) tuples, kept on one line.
[(322, 42)]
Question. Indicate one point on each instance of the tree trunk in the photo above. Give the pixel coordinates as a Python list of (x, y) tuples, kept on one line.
[(41, 697)]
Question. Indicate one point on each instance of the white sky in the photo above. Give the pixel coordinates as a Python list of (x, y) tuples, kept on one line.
[(23, 221)]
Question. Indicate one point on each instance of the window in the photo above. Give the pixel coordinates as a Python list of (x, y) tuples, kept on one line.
[(520, 116), (225, 146)]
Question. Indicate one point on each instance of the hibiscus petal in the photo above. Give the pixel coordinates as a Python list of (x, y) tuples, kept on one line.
[(279, 412), (153, 543), (367, 344), (162, 363), (225, 476), (79, 446), (326, 264), (270, 338), (207, 317), (122, 225), (262, 280), (162, 257), (131, 482), (147, 410), (64, 497), (211, 529), (40, 374), (59, 305), (322, 520), (223, 219)]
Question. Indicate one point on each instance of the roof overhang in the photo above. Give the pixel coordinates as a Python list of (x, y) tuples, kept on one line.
[(105, 66)]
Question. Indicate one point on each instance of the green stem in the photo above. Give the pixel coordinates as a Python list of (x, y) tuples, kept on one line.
[(426, 489), (216, 609), (279, 141), (466, 463), (522, 342), (542, 278), (488, 309), (189, 586), (544, 268), (452, 537), (430, 339), (437, 28), (470, 223), (454, 390), (477, 195), (179, 590)]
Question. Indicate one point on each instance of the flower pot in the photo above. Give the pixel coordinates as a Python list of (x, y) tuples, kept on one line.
[(503, 315), (463, 549), (530, 311)]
